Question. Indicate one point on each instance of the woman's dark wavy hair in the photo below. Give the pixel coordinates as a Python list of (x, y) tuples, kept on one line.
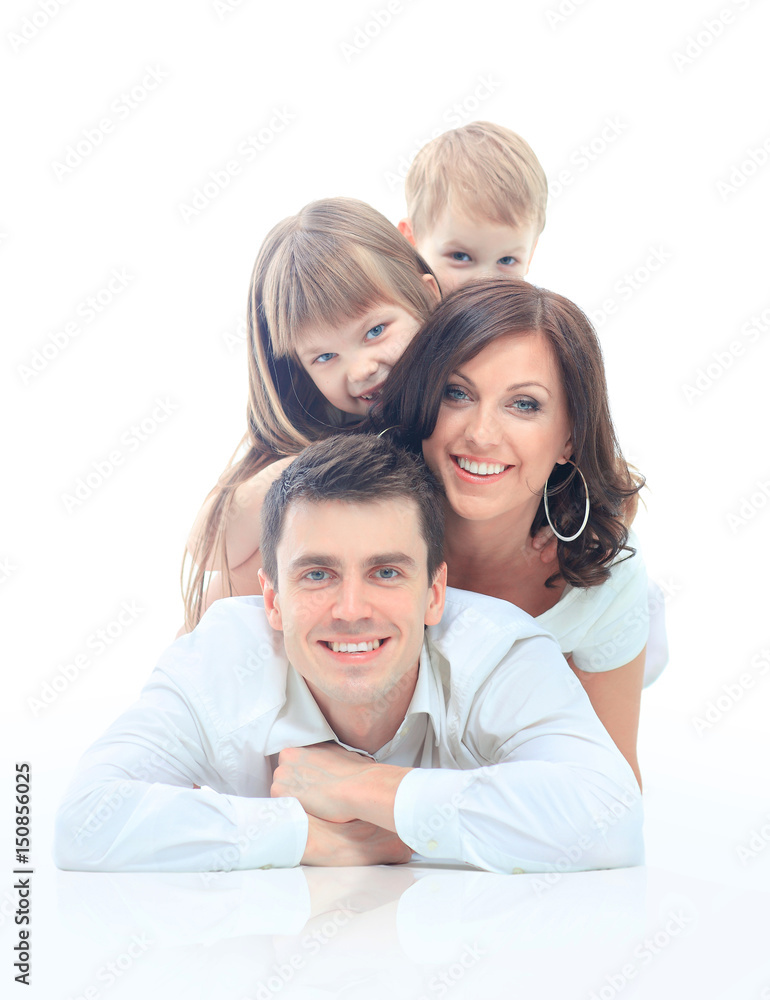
[(460, 328)]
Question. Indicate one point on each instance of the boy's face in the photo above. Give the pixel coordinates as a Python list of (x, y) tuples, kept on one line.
[(460, 249)]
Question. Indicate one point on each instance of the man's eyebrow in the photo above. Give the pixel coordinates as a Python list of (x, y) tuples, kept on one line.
[(392, 559), (511, 388)]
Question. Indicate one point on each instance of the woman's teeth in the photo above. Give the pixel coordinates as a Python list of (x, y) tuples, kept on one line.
[(480, 468), (353, 647)]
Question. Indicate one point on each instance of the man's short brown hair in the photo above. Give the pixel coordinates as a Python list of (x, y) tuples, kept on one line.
[(355, 468)]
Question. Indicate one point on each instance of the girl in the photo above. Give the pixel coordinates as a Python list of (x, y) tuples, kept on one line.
[(336, 294)]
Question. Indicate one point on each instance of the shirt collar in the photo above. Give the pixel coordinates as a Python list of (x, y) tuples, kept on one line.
[(301, 723)]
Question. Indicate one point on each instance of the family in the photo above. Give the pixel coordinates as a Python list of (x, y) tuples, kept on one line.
[(417, 617)]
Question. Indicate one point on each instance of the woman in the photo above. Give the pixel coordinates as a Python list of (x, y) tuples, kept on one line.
[(504, 391)]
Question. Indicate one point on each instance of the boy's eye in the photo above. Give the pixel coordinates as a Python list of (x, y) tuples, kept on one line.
[(507, 261), (387, 573), (375, 332), (322, 358), (461, 255), (455, 392)]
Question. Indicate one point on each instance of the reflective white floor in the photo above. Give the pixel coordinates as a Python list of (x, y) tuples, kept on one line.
[(408, 932), (693, 923)]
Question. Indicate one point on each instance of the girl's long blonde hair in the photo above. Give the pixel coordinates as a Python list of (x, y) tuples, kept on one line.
[(332, 261)]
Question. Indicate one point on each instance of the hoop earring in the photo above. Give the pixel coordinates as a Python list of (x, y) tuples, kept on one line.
[(565, 538)]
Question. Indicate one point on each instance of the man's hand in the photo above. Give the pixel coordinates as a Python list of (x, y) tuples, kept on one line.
[(353, 843), (338, 785)]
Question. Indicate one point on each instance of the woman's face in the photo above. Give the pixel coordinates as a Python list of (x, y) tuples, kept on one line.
[(502, 426)]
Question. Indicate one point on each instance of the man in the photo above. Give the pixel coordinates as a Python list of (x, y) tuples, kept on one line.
[(326, 725)]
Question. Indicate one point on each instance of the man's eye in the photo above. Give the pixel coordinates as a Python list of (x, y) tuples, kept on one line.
[(316, 575), (507, 261), (461, 255), (375, 332), (387, 573), (324, 357)]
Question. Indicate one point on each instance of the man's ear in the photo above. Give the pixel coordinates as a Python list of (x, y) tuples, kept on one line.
[(405, 228), (272, 608), (431, 282), (434, 607)]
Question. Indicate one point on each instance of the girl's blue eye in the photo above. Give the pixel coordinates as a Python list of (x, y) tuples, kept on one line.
[(375, 332), (323, 358), (455, 392), (507, 261), (461, 255)]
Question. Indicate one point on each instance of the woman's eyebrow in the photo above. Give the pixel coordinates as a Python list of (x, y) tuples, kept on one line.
[(511, 388)]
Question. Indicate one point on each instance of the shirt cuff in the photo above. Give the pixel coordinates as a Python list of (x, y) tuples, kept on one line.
[(427, 814), (270, 833)]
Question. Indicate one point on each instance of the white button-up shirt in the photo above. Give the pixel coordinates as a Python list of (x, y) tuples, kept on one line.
[(512, 769)]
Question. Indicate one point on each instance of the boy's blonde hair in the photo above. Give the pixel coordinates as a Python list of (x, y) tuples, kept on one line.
[(481, 169), (331, 262)]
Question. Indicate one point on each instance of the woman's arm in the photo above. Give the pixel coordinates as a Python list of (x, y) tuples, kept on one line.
[(242, 529), (616, 696)]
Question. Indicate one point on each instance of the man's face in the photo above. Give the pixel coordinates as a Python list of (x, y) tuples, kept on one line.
[(459, 249), (354, 597)]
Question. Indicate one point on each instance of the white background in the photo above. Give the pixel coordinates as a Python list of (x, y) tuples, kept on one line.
[(687, 101)]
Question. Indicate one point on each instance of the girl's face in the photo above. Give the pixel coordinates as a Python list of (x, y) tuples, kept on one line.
[(502, 426), (349, 362)]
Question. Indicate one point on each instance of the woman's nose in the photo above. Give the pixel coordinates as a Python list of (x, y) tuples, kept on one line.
[(483, 427)]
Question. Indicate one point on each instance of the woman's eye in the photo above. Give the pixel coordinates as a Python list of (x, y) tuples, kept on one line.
[(461, 255), (455, 392), (375, 332), (316, 575), (322, 358), (387, 573), (526, 405), (507, 261)]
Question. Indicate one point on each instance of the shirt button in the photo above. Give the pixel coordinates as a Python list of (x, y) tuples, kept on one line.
[(432, 845), (264, 868), (518, 871)]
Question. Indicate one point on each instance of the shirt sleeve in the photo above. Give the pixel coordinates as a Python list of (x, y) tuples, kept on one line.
[(553, 793), (132, 805)]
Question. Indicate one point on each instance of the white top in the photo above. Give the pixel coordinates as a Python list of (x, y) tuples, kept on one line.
[(513, 769), (606, 626)]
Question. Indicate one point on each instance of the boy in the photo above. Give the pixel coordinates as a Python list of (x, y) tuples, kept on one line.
[(476, 200)]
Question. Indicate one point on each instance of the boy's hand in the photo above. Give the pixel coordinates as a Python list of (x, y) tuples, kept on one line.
[(353, 843)]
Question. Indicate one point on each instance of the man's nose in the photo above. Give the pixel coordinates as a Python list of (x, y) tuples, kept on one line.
[(351, 602)]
